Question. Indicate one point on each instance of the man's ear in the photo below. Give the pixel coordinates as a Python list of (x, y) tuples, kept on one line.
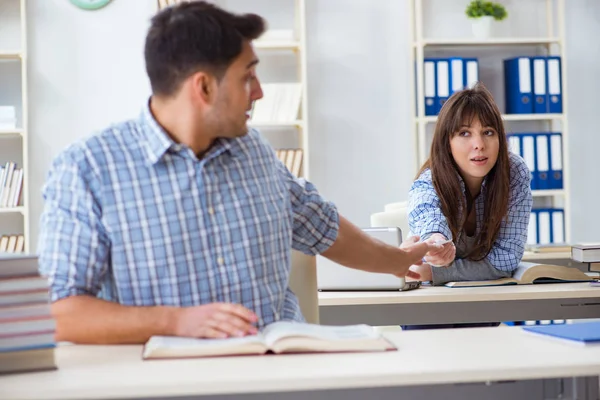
[(204, 87)]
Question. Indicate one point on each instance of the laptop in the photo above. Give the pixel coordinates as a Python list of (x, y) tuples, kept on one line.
[(335, 277)]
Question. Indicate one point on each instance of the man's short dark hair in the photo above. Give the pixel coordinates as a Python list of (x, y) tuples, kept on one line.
[(194, 36)]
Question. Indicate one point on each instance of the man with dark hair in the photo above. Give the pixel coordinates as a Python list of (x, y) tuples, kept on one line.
[(182, 221)]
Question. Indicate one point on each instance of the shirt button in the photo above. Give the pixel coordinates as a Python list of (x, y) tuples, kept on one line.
[(211, 211), (220, 260)]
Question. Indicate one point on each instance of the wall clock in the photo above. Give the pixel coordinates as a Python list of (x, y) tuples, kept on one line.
[(90, 4)]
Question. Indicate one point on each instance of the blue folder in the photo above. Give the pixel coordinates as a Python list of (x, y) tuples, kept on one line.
[(554, 72), (518, 86), (430, 84), (556, 156), (539, 76), (584, 332)]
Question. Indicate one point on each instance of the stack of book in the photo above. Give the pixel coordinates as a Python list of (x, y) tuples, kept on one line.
[(587, 253), (26, 326), (11, 185)]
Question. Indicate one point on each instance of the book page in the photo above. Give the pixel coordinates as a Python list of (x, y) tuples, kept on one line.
[(521, 269), (287, 329), (541, 273), (495, 282), (175, 347)]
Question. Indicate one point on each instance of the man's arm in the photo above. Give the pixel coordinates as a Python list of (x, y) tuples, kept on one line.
[(356, 249), (319, 229), (86, 319)]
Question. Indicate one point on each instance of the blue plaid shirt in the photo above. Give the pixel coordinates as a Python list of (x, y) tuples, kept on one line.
[(135, 218), (425, 215)]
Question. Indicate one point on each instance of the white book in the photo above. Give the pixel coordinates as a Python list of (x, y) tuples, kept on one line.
[(279, 337), (291, 102), (7, 183), (12, 244), (16, 189), (3, 178), (262, 109)]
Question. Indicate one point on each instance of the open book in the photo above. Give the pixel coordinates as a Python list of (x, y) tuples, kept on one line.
[(530, 273), (278, 337)]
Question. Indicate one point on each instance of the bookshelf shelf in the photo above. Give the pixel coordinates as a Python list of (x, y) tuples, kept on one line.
[(12, 210), (10, 55), (275, 124), (13, 141), (548, 193), (277, 45), (488, 42), (11, 133)]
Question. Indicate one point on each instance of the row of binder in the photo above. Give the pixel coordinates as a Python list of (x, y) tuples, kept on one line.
[(533, 85), (445, 76), (543, 155), (546, 226)]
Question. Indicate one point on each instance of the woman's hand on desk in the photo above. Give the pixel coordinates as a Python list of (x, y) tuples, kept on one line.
[(424, 271), (215, 320), (442, 255)]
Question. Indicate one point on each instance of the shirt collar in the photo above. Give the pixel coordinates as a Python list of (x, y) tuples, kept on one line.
[(159, 142)]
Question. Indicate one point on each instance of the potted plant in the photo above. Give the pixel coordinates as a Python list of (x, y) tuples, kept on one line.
[(482, 13)]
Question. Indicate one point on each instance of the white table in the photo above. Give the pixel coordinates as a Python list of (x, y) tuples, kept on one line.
[(460, 363), (431, 305)]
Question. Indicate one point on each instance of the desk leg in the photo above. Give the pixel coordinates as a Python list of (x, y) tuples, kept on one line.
[(585, 388)]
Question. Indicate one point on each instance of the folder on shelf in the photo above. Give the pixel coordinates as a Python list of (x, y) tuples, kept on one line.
[(529, 155), (532, 228), (554, 72), (524, 145), (544, 226), (514, 144), (442, 82), (542, 148), (556, 163), (517, 85), (558, 225), (429, 86), (457, 74), (540, 84), (471, 72)]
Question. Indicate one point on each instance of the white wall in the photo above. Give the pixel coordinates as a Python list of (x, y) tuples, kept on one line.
[(86, 70)]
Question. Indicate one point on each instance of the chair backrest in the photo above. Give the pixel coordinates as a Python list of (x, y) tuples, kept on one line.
[(303, 282), (396, 215)]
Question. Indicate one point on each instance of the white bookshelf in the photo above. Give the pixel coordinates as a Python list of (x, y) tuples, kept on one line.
[(14, 220), (550, 42), (295, 47)]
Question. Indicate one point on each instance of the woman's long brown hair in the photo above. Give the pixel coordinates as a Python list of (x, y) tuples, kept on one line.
[(460, 109)]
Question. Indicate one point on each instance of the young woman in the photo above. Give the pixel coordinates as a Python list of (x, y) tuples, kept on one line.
[(472, 191)]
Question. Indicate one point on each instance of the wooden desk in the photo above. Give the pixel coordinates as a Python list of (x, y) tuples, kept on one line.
[(430, 305), (442, 358)]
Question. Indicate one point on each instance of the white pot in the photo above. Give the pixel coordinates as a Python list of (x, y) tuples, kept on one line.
[(482, 27)]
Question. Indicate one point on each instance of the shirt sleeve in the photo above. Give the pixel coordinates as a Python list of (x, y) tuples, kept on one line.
[(508, 249), (425, 215), (466, 270), (73, 247), (315, 220)]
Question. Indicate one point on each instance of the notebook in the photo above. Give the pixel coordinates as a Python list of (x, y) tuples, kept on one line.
[(585, 333)]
